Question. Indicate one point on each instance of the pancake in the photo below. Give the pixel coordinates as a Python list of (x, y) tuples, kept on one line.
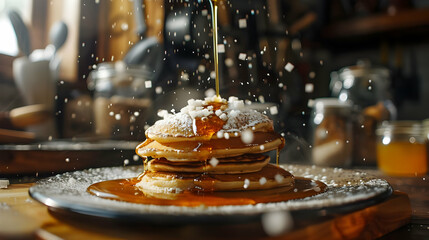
[(233, 165), (201, 120), (211, 145), (270, 176), (218, 148)]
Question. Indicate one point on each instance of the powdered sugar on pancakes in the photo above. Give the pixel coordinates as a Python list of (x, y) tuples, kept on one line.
[(233, 112)]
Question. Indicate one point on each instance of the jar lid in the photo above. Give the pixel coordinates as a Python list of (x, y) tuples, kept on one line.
[(118, 73), (399, 127), (323, 104), (363, 68)]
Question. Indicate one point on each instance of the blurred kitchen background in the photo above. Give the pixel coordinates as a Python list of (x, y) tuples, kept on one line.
[(91, 70)]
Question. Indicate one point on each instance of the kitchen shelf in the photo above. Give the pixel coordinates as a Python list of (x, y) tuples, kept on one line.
[(402, 21)]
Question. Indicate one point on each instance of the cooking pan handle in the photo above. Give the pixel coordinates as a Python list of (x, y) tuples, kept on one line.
[(140, 19)]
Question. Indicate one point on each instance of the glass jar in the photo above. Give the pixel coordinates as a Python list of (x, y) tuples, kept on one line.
[(122, 97), (331, 135), (401, 149), (426, 136)]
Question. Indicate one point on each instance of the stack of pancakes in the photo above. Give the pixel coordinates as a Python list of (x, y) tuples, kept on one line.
[(211, 145)]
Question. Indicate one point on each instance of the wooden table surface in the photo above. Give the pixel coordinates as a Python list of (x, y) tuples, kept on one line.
[(30, 219)]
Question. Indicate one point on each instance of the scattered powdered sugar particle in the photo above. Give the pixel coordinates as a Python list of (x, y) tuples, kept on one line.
[(111, 114), (242, 23), (276, 223), (220, 48), (187, 37), (136, 114), (242, 56), (262, 147), (148, 84), (158, 90), (247, 136), (204, 12), (67, 159), (229, 62), (4, 183), (118, 116), (246, 183), (72, 181), (162, 113), (289, 67), (234, 113), (210, 93), (126, 162), (219, 134), (201, 68), (214, 162), (279, 178), (262, 180), (136, 157), (274, 110), (309, 88), (226, 135)]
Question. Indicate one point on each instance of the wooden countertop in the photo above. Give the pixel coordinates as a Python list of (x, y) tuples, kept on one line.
[(371, 222)]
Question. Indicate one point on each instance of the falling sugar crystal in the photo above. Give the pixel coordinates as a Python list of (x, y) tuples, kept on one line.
[(289, 67), (162, 113), (210, 93), (242, 56), (4, 183), (247, 136), (309, 88), (277, 222), (67, 159), (118, 116), (214, 162), (279, 178), (229, 62), (226, 135), (158, 90), (148, 84), (220, 48), (111, 114), (274, 110), (246, 183), (136, 157), (201, 68), (262, 147), (262, 180), (126, 162), (242, 23), (187, 37)]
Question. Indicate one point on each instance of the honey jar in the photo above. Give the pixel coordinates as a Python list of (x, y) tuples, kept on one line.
[(401, 149)]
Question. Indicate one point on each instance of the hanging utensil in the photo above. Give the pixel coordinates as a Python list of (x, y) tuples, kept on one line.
[(147, 53), (21, 31)]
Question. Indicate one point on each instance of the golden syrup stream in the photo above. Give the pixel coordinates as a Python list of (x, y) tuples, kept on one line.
[(214, 6)]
